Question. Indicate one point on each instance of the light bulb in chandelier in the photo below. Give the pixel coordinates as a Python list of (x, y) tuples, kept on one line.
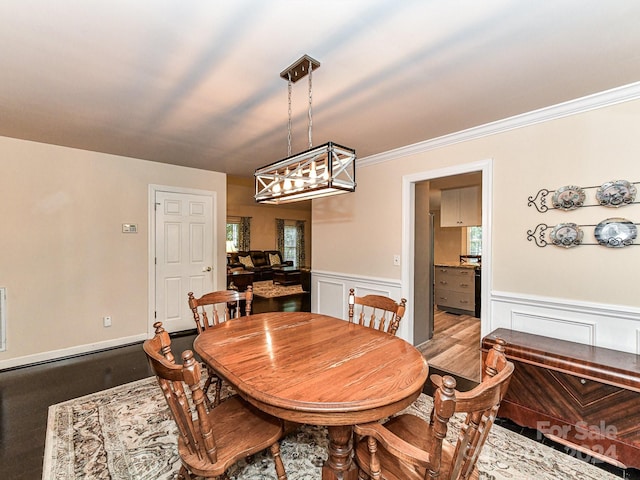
[(276, 187), (312, 170), (325, 174), (287, 181), (299, 181)]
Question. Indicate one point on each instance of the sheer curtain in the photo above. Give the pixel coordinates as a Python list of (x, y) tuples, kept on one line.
[(299, 260)]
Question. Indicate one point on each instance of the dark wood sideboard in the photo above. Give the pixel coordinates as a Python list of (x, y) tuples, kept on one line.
[(585, 397)]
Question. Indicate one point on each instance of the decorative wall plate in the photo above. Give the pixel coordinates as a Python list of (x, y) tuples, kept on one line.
[(616, 193), (568, 197), (566, 235), (616, 232)]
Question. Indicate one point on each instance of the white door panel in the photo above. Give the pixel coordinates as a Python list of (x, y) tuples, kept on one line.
[(184, 255)]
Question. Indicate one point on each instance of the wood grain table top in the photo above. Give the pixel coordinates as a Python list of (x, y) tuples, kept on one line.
[(314, 368)]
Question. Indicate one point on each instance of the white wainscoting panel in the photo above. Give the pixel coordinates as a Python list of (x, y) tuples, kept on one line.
[(563, 328), (609, 326), (330, 292)]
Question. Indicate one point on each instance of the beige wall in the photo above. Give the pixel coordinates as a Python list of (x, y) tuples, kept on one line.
[(449, 242), (65, 262), (586, 149), (240, 203)]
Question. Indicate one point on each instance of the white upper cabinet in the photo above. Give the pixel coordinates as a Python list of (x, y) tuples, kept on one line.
[(461, 207)]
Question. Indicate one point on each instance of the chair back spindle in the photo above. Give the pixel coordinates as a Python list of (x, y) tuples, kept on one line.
[(216, 307), (376, 311)]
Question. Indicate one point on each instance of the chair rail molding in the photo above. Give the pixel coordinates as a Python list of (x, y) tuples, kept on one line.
[(616, 327)]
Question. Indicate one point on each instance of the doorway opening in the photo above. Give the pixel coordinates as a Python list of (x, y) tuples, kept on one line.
[(449, 337)]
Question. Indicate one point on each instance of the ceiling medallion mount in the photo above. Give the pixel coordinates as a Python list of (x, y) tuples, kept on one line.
[(328, 169), (300, 69)]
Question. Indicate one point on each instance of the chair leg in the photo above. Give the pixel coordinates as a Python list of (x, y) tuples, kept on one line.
[(362, 475), (275, 451), (205, 390), (217, 392), (216, 398), (184, 474), (374, 466)]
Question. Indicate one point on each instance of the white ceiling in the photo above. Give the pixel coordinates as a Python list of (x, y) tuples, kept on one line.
[(196, 82)]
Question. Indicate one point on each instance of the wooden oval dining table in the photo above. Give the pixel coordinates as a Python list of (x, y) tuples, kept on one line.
[(315, 369)]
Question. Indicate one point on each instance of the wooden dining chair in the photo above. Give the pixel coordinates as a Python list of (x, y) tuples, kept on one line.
[(212, 309), (410, 448), (209, 440), (376, 311)]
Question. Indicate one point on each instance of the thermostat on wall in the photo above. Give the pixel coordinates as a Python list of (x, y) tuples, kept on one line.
[(129, 228)]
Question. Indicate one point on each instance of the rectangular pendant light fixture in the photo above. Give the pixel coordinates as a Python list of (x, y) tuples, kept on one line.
[(328, 169), (325, 170)]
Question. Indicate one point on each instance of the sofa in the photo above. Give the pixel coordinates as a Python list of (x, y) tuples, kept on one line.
[(260, 262)]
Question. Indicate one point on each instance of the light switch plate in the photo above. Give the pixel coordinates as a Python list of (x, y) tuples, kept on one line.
[(129, 228)]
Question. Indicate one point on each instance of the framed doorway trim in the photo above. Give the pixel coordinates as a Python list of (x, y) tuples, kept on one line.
[(408, 233)]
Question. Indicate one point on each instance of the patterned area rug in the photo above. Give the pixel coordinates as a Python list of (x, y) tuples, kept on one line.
[(127, 433), (268, 289)]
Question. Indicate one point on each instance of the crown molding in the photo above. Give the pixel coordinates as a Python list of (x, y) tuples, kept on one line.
[(572, 107)]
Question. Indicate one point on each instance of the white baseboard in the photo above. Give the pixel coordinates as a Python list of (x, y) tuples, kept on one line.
[(70, 352), (609, 326)]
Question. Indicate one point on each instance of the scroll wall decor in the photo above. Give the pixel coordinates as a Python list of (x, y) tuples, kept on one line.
[(616, 193), (614, 232)]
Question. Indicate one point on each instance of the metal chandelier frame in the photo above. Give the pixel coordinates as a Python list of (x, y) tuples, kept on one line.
[(321, 171)]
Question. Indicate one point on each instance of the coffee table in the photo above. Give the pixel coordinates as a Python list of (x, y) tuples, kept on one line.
[(241, 280), (286, 275)]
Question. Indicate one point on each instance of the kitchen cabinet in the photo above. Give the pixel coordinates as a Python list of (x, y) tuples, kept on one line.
[(455, 289), (461, 207)]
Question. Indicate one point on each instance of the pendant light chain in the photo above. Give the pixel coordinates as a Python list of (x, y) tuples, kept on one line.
[(310, 97), (289, 123)]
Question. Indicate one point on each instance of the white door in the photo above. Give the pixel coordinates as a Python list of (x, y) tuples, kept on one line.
[(184, 255)]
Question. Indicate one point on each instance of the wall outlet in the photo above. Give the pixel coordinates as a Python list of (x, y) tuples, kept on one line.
[(106, 321), (396, 260)]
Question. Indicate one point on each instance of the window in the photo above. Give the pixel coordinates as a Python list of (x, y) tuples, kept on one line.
[(474, 240), (233, 233), (291, 244)]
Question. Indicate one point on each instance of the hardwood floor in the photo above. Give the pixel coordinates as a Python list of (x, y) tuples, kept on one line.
[(455, 346)]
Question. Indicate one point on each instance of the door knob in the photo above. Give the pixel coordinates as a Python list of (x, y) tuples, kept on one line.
[(206, 269)]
